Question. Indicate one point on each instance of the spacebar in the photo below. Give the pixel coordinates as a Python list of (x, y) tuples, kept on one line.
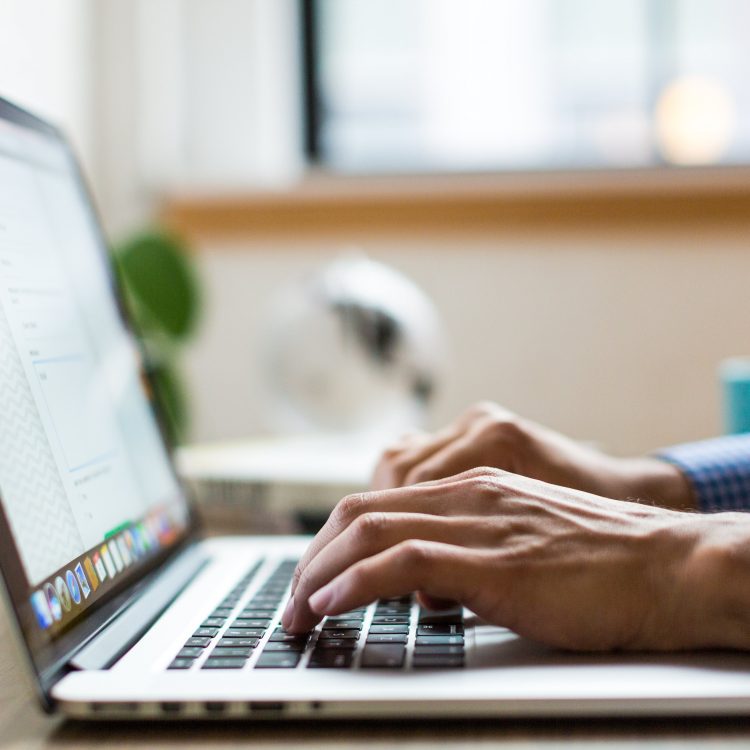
[(383, 655)]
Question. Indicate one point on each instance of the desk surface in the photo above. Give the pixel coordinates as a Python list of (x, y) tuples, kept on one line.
[(23, 725)]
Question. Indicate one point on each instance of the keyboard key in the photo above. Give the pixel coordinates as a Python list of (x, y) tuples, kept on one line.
[(336, 644), (452, 615), (244, 632), (200, 642), (278, 646), (440, 629), (213, 622), (355, 617), (387, 638), (205, 632), (257, 614), (282, 637), (331, 659), (439, 640), (390, 620), (190, 652), (437, 662), (343, 625), (256, 622), (278, 660), (215, 662), (225, 652), (181, 664), (383, 655), (222, 612), (336, 634), (439, 650), (403, 629), (391, 611), (238, 642)]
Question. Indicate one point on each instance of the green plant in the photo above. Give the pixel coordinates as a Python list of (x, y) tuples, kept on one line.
[(163, 295)]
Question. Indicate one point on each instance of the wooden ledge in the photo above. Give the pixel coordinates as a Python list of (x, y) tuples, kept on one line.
[(359, 206)]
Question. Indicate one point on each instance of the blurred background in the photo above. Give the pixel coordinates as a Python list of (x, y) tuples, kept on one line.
[(567, 181)]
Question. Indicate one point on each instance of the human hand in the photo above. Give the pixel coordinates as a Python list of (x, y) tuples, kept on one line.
[(563, 567), (489, 435)]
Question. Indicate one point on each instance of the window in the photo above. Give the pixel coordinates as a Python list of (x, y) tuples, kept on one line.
[(485, 85)]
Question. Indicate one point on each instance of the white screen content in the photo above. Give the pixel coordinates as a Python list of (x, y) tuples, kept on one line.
[(80, 451)]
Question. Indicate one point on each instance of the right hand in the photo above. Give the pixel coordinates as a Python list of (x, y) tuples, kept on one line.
[(563, 567), (490, 435)]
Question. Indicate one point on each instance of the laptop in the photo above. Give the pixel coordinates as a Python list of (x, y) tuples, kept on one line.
[(124, 611)]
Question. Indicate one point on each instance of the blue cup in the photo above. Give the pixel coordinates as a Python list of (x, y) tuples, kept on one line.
[(734, 374)]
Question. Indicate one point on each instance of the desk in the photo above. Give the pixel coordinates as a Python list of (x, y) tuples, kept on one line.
[(23, 725)]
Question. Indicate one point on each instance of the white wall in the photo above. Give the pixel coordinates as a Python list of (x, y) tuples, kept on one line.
[(611, 336), (193, 95), (45, 63)]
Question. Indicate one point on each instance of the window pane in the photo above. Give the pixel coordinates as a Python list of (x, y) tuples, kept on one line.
[(411, 85)]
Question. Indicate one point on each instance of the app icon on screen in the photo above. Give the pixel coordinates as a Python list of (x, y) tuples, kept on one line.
[(128, 534), (41, 609), (75, 589), (53, 600), (91, 573), (138, 540), (108, 561), (81, 576), (148, 542), (124, 552), (115, 552), (63, 593), (101, 571)]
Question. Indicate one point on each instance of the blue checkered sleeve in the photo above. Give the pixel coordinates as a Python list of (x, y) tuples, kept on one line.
[(718, 469)]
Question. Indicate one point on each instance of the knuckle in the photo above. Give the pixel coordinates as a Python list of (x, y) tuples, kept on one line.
[(389, 455), (400, 464), (350, 507), (370, 525), (505, 430), (413, 552), (420, 474), (488, 484)]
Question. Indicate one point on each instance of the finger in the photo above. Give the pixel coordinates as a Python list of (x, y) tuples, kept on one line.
[(449, 496), (440, 570), (431, 602), (460, 455), (373, 533), (397, 462)]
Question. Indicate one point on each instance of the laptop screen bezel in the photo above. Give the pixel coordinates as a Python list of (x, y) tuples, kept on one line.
[(49, 662)]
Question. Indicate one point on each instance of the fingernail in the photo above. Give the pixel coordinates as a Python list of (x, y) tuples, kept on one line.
[(286, 618), (321, 599)]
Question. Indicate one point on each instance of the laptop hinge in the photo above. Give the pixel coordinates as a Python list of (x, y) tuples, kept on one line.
[(118, 636)]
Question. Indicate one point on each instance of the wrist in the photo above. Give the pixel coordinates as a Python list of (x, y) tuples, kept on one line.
[(715, 583), (651, 480)]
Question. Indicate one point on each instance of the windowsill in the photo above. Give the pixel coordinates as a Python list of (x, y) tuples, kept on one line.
[(325, 203)]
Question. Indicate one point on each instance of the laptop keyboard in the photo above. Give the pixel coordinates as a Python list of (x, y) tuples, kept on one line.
[(391, 634)]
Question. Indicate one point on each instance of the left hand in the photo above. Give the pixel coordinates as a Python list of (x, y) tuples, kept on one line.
[(561, 566)]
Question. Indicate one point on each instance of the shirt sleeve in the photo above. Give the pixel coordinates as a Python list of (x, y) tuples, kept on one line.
[(718, 469)]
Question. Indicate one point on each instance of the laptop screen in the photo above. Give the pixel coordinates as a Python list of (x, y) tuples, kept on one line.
[(88, 496)]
